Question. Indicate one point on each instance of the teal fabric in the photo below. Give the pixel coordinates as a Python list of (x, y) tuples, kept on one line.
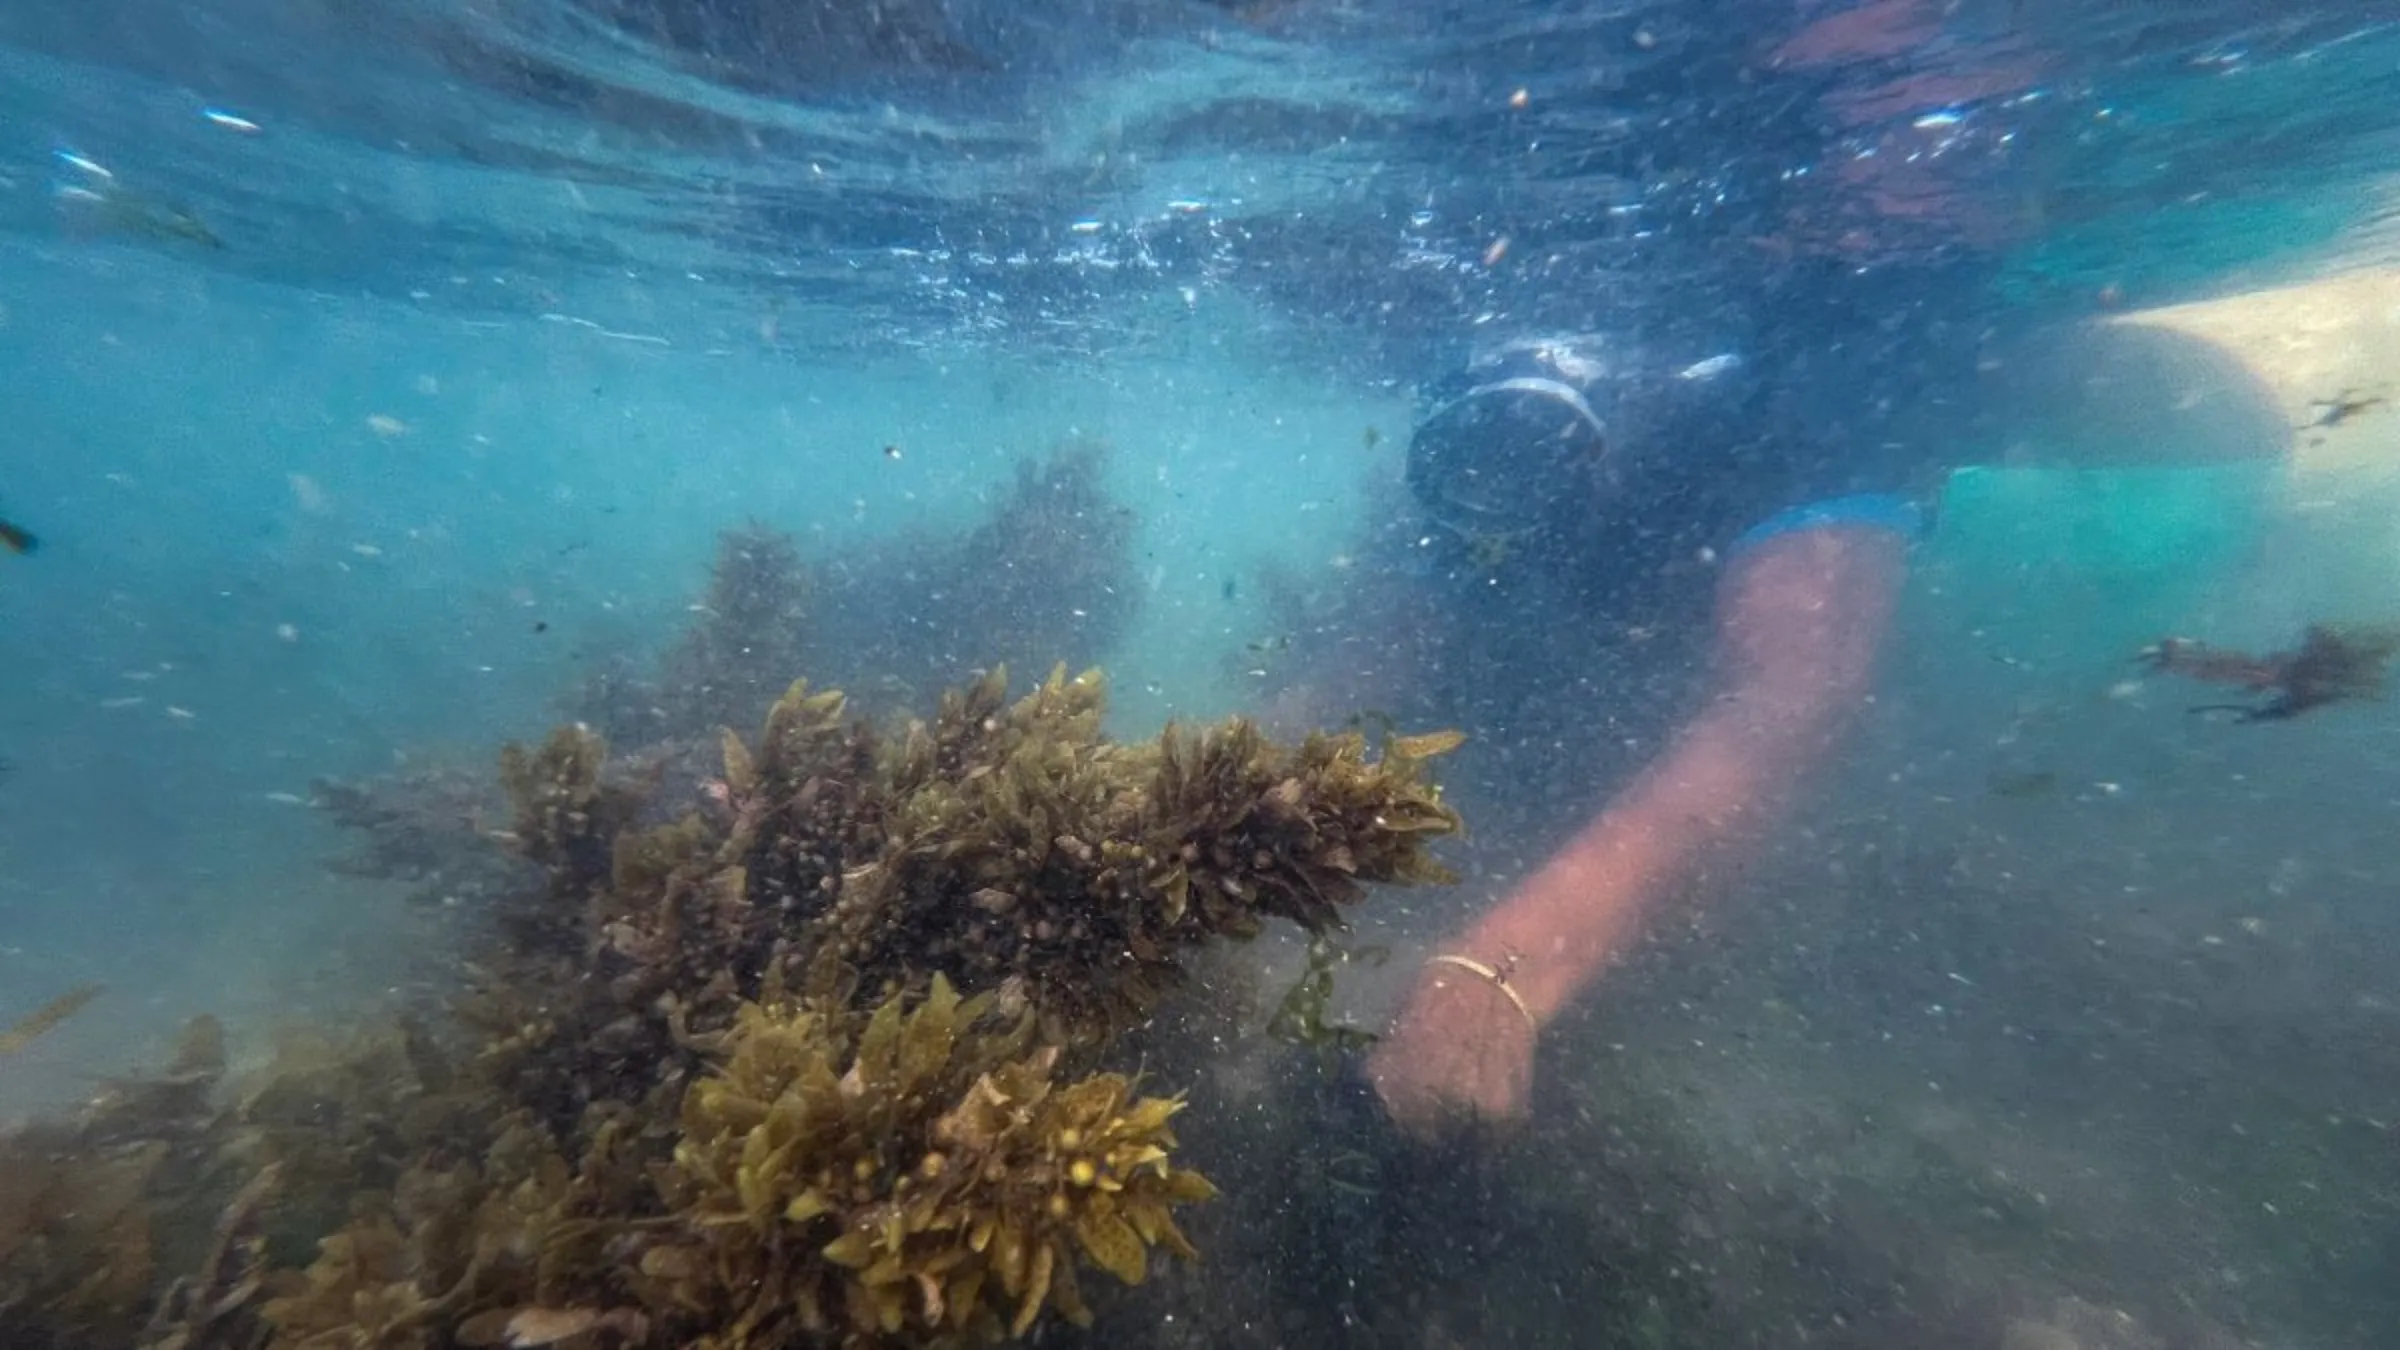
[(1880, 510)]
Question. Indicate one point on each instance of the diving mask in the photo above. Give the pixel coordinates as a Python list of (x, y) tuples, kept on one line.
[(1504, 458)]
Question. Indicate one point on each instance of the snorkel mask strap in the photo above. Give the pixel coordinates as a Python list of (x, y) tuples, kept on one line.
[(1533, 384)]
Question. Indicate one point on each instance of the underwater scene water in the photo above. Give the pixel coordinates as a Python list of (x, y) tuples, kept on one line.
[(1739, 662)]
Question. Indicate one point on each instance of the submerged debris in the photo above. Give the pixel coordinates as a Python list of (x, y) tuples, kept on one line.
[(2332, 664)]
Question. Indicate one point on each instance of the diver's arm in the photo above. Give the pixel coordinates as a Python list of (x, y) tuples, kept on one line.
[(1800, 616)]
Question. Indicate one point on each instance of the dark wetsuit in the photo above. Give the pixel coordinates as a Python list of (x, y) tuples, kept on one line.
[(1569, 661)]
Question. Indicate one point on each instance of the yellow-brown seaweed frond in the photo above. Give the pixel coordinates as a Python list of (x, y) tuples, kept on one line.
[(804, 735), (364, 1289), (78, 1244), (1022, 845), (997, 842), (1302, 1017), (977, 730), (25, 1030), (1256, 831), (96, 1211), (567, 814), (926, 1180), (486, 1252), (807, 805), (217, 1307), (153, 1217), (338, 1114)]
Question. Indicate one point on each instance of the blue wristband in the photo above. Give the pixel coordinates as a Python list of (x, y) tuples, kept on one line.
[(1877, 510)]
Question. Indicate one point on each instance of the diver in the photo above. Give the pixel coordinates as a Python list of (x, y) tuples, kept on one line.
[(1652, 589), (1539, 513)]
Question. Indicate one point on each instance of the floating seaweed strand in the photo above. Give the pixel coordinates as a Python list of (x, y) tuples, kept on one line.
[(33, 1025)]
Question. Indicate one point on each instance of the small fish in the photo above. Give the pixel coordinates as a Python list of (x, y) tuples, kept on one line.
[(1372, 437), (17, 539), (164, 221), (2340, 409), (231, 121), (891, 452), (132, 213), (2334, 663), (1710, 368)]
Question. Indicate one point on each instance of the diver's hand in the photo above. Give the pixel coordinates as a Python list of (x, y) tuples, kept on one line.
[(1461, 1051)]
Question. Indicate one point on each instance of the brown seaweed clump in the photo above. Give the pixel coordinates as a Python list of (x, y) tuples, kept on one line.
[(567, 814), (89, 1209), (428, 828), (932, 1177), (815, 1059), (1012, 845), (748, 639), (918, 1178), (156, 1215), (1046, 574)]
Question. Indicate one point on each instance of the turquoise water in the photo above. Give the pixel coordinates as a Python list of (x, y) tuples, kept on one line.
[(270, 589), (505, 313)]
